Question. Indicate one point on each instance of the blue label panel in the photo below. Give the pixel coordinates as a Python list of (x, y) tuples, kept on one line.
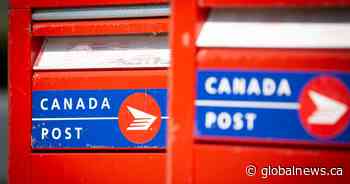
[(88, 119), (267, 106)]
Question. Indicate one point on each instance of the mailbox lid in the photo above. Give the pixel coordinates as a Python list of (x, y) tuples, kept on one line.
[(100, 27), (112, 12), (77, 3)]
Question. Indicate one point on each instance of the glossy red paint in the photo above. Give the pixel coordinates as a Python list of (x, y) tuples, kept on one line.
[(106, 168), (20, 76), (100, 27), (274, 3), (218, 161), (228, 164), (112, 79), (186, 23), (77, 3), (74, 166)]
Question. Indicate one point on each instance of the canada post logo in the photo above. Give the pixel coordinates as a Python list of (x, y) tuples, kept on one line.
[(139, 118), (93, 118), (279, 106)]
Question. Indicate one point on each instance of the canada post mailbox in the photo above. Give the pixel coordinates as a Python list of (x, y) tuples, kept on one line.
[(88, 91), (267, 92)]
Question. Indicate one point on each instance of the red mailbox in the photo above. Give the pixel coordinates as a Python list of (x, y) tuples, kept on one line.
[(88, 91), (259, 92)]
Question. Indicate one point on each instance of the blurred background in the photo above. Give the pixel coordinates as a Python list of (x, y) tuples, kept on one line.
[(3, 91)]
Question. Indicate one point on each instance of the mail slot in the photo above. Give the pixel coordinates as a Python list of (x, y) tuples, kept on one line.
[(88, 87), (267, 92)]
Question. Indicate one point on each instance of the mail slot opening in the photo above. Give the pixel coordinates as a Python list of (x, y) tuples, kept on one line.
[(98, 52), (276, 28)]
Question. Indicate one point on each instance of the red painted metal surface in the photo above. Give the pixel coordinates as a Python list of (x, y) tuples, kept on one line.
[(20, 75), (274, 3), (217, 161), (100, 27), (229, 164), (102, 166), (97, 168), (85, 80), (186, 23), (77, 3)]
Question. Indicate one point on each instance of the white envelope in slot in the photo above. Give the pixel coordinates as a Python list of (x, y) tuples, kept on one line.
[(132, 51)]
